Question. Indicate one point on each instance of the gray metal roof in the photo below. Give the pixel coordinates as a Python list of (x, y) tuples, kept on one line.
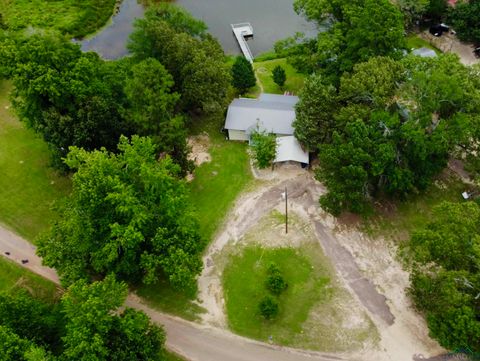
[(271, 112), (425, 53), (289, 149)]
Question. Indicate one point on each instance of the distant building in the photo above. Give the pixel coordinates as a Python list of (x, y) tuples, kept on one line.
[(425, 53), (272, 113)]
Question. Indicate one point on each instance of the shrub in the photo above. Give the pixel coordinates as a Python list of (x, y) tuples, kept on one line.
[(268, 307), (275, 282), (279, 76)]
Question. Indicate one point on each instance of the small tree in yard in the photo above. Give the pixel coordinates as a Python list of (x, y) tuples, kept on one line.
[(264, 148), (275, 282), (268, 307), (243, 77), (279, 76)]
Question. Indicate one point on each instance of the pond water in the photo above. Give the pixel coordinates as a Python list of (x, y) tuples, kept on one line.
[(271, 20)]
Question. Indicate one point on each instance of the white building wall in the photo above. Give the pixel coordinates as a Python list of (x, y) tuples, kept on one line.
[(237, 135)]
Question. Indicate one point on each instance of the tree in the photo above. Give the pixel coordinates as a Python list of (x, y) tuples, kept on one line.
[(413, 10), (243, 76), (314, 123), (264, 148), (15, 348), (359, 30), (279, 76), (194, 59), (465, 19), (128, 214), (97, 329), (69, 97), (437, 9), (268, 307), (445, 283)]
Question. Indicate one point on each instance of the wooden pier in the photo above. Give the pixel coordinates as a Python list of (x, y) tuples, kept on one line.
[(243, 31)]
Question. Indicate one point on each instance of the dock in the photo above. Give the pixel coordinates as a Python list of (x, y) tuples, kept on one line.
[(243, 31)]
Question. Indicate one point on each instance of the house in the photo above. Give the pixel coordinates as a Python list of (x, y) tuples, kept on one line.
[(272, 113)]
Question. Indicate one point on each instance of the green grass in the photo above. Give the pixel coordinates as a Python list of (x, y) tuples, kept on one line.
[(28, 187), (264, 69), (77, 18), (164, 298), (171, 356), (416, 42), (244, 287), (218, 183), (399, 219), (12, 275)]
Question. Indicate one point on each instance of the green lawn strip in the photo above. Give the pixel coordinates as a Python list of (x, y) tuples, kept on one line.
[(77, 18), (416, 42), (28, 186), (171, 356), (264, 69), (163, 297), (12, 275), (399, 219), (244, 287), (218, 183)]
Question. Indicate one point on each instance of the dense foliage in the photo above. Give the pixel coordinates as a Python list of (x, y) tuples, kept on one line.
[(357, 31), (389, 127), (268, 307), (243, 77), (264, 148), (76, 18), (465, 19), (88, 324), (193, 57), (445, 283), (128, 214)]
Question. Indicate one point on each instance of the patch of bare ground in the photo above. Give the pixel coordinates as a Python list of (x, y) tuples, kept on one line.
[(199, 145)]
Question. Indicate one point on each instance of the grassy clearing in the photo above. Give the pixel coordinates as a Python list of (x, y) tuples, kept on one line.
[(416, 42), (12, 275), (28, 186), (398, 220), (171, 356), (77, 18), (263, 71), (315, 311), (218, 183)]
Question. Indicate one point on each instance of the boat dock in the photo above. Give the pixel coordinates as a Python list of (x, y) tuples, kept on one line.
[(243, 31)]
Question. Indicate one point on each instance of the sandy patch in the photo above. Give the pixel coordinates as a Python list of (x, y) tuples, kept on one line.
[(199, 145)]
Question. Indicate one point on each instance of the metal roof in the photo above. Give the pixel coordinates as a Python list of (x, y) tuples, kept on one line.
[(274, 113), (425, 53), (289, 149)]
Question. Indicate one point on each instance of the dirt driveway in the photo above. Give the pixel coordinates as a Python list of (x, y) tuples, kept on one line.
[(367, 267)]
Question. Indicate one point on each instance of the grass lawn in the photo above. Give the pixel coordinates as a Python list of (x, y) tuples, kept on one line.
[(398, 220), (12, 275), (28, 187), (416, 42), (264, 69), (314, 309), (244, 285), (74, 17), (218, 183)]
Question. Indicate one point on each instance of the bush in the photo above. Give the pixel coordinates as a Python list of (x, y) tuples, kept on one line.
[(243, 76), (279, 76), (268, 307), (275, 282), (264, 148)]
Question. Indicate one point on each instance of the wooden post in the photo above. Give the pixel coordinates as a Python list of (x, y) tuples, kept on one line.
[(286, 210)]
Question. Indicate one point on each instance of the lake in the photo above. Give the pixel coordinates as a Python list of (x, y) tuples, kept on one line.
[(272, 20)]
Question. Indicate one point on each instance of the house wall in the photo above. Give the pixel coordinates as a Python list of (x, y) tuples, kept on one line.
[(237, 135)]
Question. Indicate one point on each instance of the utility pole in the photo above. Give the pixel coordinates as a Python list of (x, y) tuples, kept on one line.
[(286, 210)]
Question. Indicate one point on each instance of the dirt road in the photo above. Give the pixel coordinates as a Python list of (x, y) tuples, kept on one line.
[(195, 342)]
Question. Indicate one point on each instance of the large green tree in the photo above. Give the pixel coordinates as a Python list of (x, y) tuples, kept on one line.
[(465, 19), (128, 214), (357, 31), (445, 284), (195, 60), (69, 97)]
